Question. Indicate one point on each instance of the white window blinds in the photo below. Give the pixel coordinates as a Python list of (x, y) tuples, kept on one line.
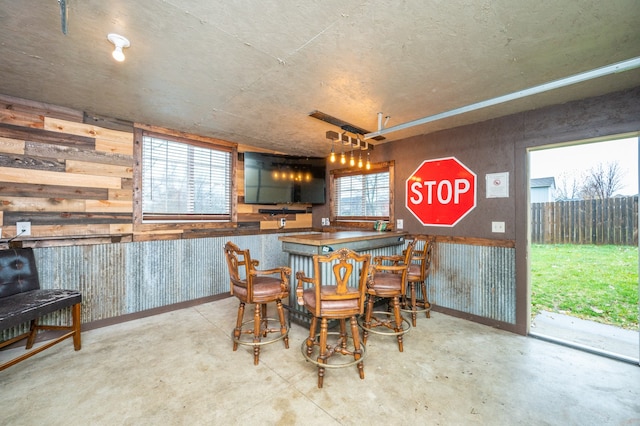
[(362, 196), (184, 182)]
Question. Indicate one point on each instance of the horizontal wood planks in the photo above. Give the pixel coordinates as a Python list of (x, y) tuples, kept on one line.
[(72, 178), (66, 177)]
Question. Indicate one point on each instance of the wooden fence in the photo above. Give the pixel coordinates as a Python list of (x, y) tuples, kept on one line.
[(610, 221)]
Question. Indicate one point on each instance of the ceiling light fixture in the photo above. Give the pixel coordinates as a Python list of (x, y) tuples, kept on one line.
[(120, 43), (332, 157), (353, 144)]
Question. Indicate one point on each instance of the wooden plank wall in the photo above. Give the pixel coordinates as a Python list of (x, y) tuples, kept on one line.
[(73, 180)]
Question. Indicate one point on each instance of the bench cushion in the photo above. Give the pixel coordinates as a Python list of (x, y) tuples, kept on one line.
[(18, 272), (23, 307)]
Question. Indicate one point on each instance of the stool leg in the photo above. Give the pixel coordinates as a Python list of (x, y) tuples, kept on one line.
[(283, 324), (425, 298), (323, 350), (238, 330), (414, 306), (367, 318), (398, 319), (264, 330), (256, 332), (343, 333), (312, 335), (357, 352)]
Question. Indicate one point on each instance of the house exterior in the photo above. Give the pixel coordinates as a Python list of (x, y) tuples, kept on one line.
[(542, 190)]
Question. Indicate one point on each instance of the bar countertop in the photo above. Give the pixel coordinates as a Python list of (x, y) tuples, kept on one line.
[(325, 238)]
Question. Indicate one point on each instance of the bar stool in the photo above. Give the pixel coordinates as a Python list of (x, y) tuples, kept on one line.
[(388, 281), (335, 292), (417, 274), (258, 287)]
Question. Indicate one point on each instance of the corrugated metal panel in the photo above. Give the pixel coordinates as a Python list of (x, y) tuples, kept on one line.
[(118, 279), (474, 279)]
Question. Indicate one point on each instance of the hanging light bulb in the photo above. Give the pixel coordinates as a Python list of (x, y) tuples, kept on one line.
[(352, 162), (368, 166), (360, 160), (332, 158), (343, 158)]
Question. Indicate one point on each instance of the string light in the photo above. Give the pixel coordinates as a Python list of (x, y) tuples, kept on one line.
[(352, 142)]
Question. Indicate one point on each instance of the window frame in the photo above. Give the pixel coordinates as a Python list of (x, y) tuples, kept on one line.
[(181, 221), (388, 166)]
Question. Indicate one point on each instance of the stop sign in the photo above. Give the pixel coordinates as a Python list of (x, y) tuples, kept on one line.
[(441, 192)]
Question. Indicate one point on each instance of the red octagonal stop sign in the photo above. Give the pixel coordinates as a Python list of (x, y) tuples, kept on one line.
[(441, 192)]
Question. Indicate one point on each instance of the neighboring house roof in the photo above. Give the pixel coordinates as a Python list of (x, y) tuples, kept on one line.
[(545, 182)]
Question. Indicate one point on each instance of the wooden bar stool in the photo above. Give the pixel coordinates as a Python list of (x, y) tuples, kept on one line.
[(417, 274), (258, 287), (388, 281), (335, 292)]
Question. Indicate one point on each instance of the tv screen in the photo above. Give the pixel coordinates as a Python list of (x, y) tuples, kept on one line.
[(280, 179)]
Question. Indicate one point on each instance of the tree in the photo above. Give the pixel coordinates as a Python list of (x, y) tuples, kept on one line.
[(568, 186), (602, 181)]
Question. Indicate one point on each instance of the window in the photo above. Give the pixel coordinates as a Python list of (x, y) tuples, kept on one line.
[(185, 180), (359, 195)]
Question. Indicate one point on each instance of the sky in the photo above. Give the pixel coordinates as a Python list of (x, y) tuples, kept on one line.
[(577, 159)]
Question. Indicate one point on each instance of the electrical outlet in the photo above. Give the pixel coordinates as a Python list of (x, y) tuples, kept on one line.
[(497, 227), (23, 228), (283, 222), (399, 224), (325, 221)]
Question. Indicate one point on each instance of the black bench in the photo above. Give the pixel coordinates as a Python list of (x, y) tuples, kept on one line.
[(23, 301)]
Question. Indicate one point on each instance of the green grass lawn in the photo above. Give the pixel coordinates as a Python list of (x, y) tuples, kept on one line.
[(598, 283)]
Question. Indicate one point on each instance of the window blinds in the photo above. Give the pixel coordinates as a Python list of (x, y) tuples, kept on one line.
[(179, 179), (362, 196)]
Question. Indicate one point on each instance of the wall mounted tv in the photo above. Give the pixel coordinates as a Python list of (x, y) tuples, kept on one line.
[(283, 179)]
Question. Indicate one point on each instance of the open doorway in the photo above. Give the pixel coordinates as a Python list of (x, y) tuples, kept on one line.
[(584, 245)]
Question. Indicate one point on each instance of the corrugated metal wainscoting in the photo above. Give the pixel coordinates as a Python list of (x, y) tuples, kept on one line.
[(125, 278), (478, 280)]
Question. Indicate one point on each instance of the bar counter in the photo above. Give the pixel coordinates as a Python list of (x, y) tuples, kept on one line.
[(325, 242), (302, 248)]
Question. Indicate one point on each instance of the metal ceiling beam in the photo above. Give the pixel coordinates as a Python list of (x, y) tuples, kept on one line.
[(627, 65)]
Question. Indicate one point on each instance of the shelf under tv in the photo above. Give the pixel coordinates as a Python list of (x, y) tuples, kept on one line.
[(281, 211)]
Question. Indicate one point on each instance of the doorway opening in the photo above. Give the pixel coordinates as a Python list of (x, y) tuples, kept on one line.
[(583, 199)]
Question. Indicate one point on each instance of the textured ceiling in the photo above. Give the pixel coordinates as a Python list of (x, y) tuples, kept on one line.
[(251, 72)]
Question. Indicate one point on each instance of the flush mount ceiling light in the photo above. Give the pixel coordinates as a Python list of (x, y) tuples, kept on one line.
[(120, 43)]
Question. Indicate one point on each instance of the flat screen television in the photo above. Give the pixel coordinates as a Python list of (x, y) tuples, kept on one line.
[(283, 179)]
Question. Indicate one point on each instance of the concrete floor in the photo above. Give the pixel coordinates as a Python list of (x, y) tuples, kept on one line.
[(178, 368), (592, 336)]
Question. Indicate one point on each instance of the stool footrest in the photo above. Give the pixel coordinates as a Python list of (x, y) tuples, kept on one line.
[(387, 324)]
